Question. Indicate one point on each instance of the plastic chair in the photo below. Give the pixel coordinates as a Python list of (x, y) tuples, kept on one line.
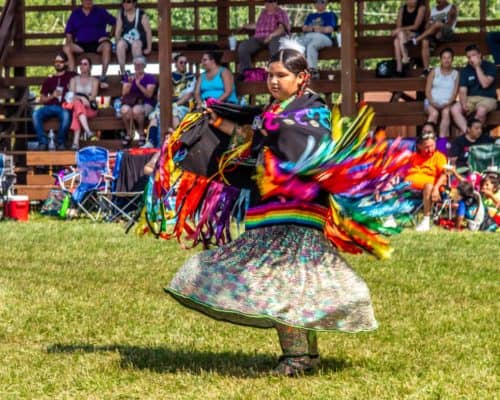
[(92, 166), (7, 179)]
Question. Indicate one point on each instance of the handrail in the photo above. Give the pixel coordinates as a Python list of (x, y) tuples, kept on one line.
[(7, 27)]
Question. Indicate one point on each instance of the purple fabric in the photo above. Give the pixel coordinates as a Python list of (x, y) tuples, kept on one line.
[(89, 28), (442, 145), (146, 80)]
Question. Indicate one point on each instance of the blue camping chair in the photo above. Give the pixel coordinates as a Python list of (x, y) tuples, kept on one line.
[(92, 168)]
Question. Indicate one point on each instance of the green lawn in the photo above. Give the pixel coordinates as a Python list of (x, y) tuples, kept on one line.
[(83, 316)]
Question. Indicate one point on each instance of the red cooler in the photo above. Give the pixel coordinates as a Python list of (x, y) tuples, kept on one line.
[(17, 207)]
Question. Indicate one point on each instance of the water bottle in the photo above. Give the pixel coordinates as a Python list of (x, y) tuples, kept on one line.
[(52, 142), (117, 105)]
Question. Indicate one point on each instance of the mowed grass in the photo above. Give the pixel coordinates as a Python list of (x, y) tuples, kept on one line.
[(83, 316)]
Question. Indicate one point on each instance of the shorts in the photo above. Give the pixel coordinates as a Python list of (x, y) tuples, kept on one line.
[(446, 35), (142, 40), (489, 103), (91, 47), (418, 181)]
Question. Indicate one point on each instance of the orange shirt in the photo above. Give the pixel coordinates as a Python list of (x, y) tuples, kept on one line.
[(425, 170)]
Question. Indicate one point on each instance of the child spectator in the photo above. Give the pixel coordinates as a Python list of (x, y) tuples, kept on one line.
[(441, 90), (471, 210), (86, 33), (490, 193), (439, 28), (477, 93), (318, 28), (133, 31), (410, 24), (460, 147), (272, 24)]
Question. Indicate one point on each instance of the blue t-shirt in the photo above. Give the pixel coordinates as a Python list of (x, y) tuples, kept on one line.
[(326, 18), (89, 28), (468, 79)]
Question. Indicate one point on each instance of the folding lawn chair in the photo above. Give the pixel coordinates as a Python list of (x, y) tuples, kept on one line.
[(483, 157), (7, 179), (92, 166), (123, 197)]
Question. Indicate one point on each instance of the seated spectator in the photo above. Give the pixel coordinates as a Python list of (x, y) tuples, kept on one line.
[(477, 93), (272, 24), (490, 193), (410, 24), (318, 28), (86, 33), (183, 83), (441, 90), (84, 106), (493, 40), (138, 100), (133, 31), (439, 28), (53, 91), (426, 172), (216, 82), (459, 151), (471, 209)]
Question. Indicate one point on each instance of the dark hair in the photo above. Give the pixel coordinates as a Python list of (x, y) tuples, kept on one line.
[(472, 47), (177, 56), (493, 178), (292, 60), (465, 190), (447, 50), (214, 55), (62, 55), (472, 121), (88, 59), (422, 136)]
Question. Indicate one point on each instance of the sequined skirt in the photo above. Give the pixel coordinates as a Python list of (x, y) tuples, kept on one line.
[(283, 274)]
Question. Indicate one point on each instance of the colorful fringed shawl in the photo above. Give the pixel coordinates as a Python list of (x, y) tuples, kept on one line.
[(315, 169)]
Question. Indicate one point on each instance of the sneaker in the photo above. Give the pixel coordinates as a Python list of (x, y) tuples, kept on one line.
[(424, 226), (147, 145), (75, 147), (103, 82), (293, 366), (390, 222), (61, 147)]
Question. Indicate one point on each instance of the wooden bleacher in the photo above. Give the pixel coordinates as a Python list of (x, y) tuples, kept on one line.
[(24, 51)]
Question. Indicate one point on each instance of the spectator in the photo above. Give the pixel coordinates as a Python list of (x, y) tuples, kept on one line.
[(459, 150), (86, 32), (84, 106), (493, 40), (318, 28), (183, 83), (472, 210), (426, 172), (477, 93), (410, 24), (53, 91), (133, 31), (439, 28), (490, 193), (138, 100), (441, 91), (272, 24), (216, 82)]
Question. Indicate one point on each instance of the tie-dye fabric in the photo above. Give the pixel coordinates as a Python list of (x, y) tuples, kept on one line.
[(283, 274)]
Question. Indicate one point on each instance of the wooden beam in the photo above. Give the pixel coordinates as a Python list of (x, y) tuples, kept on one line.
[(165, 60), (348, 56)]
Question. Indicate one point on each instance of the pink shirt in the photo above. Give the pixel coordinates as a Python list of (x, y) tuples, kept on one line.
[(268, 23)]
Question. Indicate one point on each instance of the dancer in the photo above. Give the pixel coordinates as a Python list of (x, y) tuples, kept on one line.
[(283, 272)]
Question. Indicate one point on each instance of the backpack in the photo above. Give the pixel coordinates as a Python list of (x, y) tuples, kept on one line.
[(386, 69)]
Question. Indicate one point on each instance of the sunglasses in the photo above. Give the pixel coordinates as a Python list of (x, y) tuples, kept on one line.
[(182, 62), (84, 63)]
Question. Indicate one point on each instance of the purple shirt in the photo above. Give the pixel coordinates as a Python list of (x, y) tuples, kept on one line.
[(52, 82), (146, 80), (267, 23), (89, 28)]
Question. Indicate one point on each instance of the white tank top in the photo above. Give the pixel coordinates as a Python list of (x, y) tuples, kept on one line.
[(443, 85), (442, 15), (85, 89)]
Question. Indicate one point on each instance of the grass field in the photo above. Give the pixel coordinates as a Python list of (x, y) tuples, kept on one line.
[(83, 316)]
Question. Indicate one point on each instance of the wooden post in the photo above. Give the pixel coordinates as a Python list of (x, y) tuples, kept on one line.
[(347, 58), (483, 12), (165, 61)]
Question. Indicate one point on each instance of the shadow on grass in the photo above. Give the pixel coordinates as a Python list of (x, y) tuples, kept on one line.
[(163, 359)]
